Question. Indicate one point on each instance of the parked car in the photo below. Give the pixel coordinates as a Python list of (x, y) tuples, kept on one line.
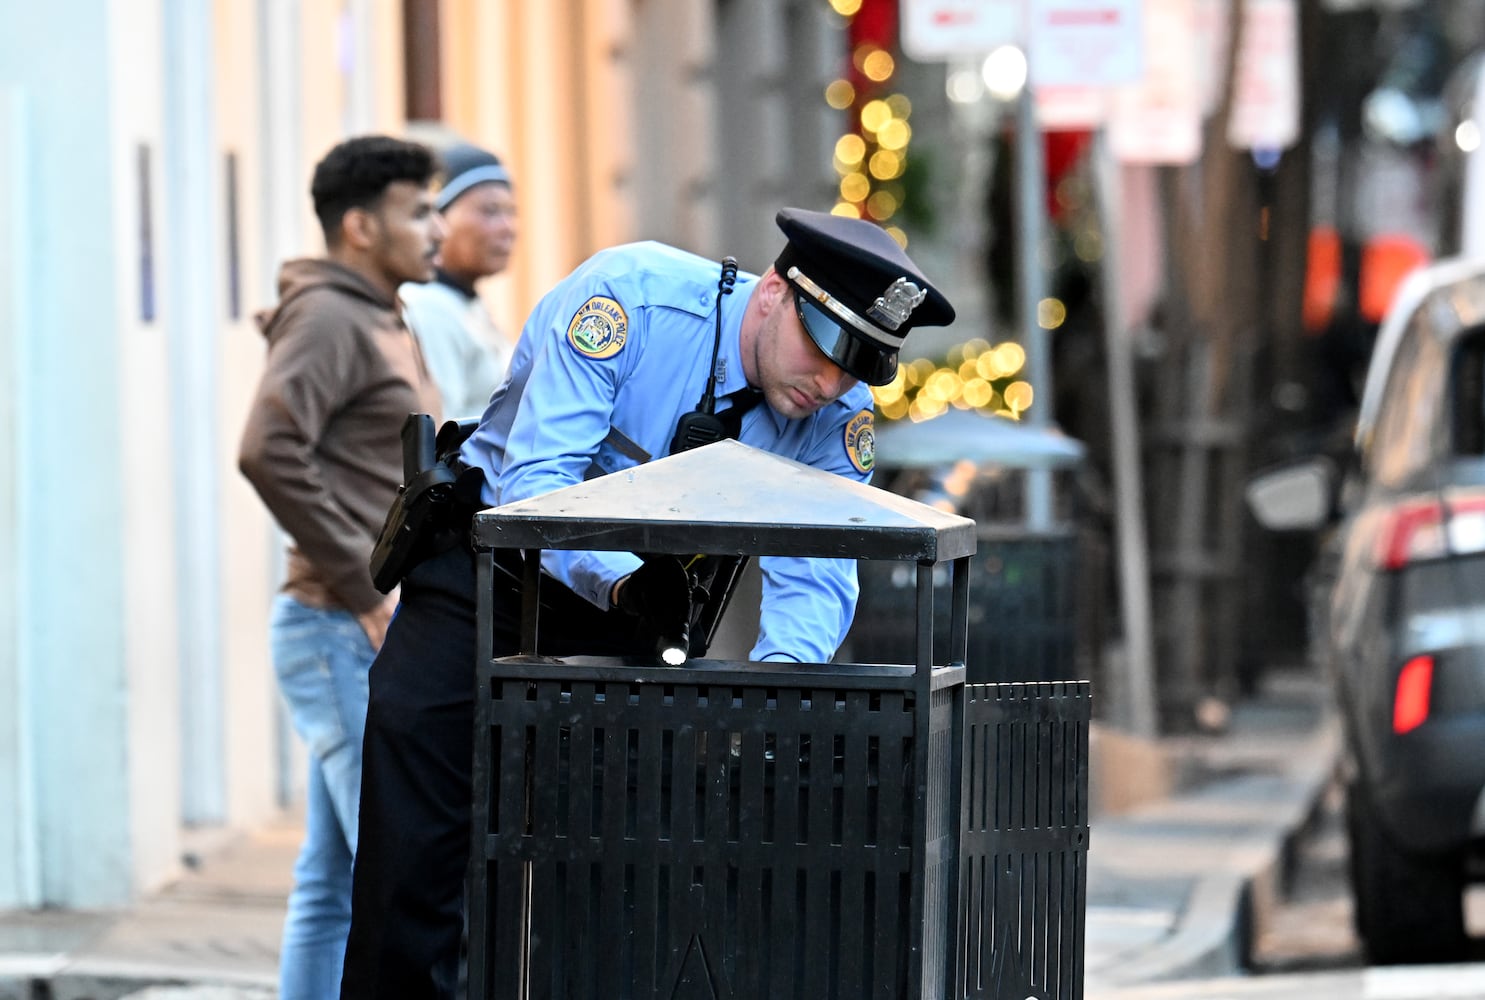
[(1399, 616)]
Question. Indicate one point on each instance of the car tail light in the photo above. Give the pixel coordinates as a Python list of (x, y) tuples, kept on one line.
[(1417, 529), (1414, 691)]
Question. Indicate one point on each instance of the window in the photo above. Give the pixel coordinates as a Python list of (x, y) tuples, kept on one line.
[(1467, 398), (1403, 441)]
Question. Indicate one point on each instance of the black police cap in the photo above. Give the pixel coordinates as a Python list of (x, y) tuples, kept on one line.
[(858, 293)]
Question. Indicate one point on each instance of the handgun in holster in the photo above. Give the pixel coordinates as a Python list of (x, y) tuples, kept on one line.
[(421, 516)]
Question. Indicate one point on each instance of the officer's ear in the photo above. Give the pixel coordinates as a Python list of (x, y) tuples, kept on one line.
[(773, 290)]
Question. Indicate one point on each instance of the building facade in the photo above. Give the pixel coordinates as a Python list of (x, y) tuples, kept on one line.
[(154, 169)]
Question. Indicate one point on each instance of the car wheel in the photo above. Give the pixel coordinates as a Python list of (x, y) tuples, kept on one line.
[(1409, 907)]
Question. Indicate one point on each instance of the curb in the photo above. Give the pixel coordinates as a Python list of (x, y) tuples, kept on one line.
[(1231, 899), (58, 977)]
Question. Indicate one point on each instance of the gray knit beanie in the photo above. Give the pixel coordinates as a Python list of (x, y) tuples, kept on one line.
[(464, 166)]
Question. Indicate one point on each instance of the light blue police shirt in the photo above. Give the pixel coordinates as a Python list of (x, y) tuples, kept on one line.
[(606, 364)]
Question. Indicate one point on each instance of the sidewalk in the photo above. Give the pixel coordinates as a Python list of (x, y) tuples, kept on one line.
[(215, 930), (1176, 887), (1179, 888)]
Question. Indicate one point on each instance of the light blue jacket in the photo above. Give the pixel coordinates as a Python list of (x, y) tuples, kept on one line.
[(622, 345)]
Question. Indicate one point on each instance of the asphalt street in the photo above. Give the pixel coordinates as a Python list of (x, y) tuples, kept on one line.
[(1439, 982)]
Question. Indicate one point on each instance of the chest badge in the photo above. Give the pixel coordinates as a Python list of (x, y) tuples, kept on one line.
[(599, 328), (861, 441)]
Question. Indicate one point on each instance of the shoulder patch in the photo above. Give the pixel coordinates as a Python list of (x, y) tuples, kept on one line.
[(599, 328), (861, 441)]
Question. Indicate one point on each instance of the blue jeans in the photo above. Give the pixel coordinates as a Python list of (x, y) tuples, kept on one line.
[(322, 657)]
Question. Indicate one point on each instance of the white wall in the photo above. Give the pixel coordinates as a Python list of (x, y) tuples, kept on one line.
[(20, 870), (246, 565), (192, 295), (148, 505), (69, 598)]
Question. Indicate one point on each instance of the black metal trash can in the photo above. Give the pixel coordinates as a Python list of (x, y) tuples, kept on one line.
[(734, 829), (744, 833), (1024, 849), (1030, 616), (1024, 609)]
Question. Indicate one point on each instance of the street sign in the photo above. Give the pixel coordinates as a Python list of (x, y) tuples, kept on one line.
[(1070, 43), (1265, 93), (933, 29), (1211, 62), (1060, 109), (1158, 120), (1085, 43)]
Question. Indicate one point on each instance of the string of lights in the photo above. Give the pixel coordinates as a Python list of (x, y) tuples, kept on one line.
[(976, 375), (872, 156), (870, 159)]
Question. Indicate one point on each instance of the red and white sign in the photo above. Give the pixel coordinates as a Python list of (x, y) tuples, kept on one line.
[(933, 29), (1158, 120), (1085, 43), (1265, 95), (1063, 109), (1211, 65)]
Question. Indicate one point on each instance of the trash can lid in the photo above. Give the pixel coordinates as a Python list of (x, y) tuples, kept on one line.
[(729, 499), (960, 435)]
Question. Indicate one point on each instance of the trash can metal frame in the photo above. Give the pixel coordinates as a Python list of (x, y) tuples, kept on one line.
[(693, 913)]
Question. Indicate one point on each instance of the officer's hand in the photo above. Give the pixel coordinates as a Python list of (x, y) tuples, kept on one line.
[(659, 593)]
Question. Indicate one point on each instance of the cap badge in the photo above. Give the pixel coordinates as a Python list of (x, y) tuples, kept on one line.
[(897, 303)]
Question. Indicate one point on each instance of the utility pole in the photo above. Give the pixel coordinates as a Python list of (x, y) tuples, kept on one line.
[(1131, 549), (1030, 209)]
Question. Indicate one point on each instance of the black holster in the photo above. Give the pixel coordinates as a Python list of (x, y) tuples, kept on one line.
[(434, 505)]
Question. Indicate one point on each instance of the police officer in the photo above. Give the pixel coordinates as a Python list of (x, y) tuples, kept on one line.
[(607, 365)]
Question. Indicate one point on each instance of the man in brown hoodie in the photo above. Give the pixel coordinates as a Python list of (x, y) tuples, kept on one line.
[(322, 448)]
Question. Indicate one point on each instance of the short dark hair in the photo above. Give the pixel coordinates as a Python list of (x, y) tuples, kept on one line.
[(357, 172)]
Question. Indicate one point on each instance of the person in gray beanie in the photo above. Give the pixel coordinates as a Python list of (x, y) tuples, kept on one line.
[(466, 353)]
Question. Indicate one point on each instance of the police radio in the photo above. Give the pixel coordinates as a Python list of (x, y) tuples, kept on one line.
[(702, 425)]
